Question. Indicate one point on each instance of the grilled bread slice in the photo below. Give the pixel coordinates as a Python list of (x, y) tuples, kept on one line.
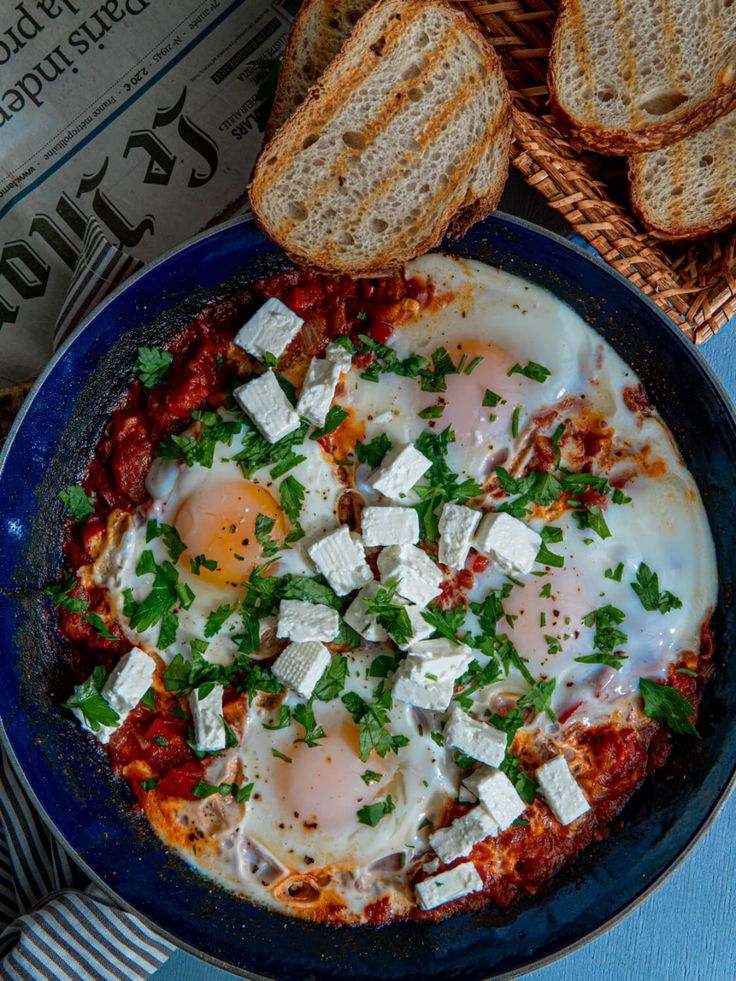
[(316, 35), (688, 189), (406, 133), (635, 76)]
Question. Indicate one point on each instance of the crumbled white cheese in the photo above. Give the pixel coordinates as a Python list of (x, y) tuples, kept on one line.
[(399, 471), (458, 839), (481, 741), (412, 684), (270, 330), (457, 526), (431, 867), (420, 629), (209, 728), (307, 621), (497, 794), (161, 477), (446, 886), (340, 356), (267, 406), (126, 685), (389, 526), (300, 666), (443, 658), (358, 617), (318, 391), (561, 791), (418, 576), (340, 558), (511, 544)]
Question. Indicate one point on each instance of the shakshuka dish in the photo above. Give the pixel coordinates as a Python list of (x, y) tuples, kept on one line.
[(384, 596)]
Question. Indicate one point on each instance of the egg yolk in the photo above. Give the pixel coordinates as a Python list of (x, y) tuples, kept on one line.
[(464, 410), (219, 522), (323, 784)]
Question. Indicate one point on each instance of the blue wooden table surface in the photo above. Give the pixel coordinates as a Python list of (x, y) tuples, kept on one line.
[(685, 931)]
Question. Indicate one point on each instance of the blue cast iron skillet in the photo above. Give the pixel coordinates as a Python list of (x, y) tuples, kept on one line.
[(91, 813)]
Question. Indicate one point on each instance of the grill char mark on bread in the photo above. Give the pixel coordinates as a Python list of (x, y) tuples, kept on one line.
[(688, 190), (406, 133), (627, 76)]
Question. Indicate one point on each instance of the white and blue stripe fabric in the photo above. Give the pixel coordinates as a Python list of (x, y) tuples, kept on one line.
[(54, 924)]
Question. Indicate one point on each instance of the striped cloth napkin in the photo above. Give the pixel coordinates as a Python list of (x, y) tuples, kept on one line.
[(56, 925)]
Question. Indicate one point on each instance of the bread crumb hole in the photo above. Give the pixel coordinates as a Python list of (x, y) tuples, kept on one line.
[(415, 94), (606, 95), (309, 140), (378, 225), (297, 210), (422, 40), (354, 139), (345, 238), (663, 102)]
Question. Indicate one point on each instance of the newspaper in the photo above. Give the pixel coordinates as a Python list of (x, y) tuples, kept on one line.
[(146, 114)]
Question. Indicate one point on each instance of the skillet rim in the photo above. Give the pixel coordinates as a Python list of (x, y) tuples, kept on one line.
[(687, 349)]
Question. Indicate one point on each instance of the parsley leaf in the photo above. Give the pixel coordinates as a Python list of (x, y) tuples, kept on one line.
[(335, 417), (76, 502), (439, 483), (152, 364), (526, 787), (615, 574), (95, 709), (607, 637), (432, 411), (303, 715), (217, 618), (446, 623), (370, 776), (669, 706), (539, 697), (199, 561), (373, 717), (433, 379), (391, 616), (646, 588), (264, 527), (371, 814), (284, 719), (332, 681), (537, 372), (373, 452), (291, 498)]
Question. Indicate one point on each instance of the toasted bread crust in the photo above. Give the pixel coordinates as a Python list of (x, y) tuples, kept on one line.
[(674, 231), (683, 121), (325, 98)]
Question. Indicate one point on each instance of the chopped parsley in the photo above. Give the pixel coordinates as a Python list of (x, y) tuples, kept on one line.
[(618, 496), (152, 365), (240, 794), (539, 697), (446, 623), (264, 527), (303, 715), (434, 378), (291, 498), (525, 786), (217, 618), (370, 776), (591, 516), (515, 421), (87, 698), (607, 638), (439, 484), (332, 682), (432, 411), (391, 616), (491, 399), (61, 598), (335, 417), (281, 756), (537, 372), (148, 784), (199, 562), (646, 588), (76, 502), (386, 361), (373, 717), (374, 451), (371, 814), (615, 574), (668, 706), (284, 719)]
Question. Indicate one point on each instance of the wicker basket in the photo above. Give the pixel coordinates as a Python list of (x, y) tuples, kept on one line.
[(694, 283)]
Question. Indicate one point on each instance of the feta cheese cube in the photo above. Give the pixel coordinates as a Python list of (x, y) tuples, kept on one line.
[(477, 739), (443, 658), (413, 685), (561, 791), (419, 577), (307, 621), (318, 391), (389, 526), (340, 356), (126, 685), (511, 544), (420, 629), (340, 558), (446, 886), (209, 727), (466, 796), (267, 406), (431, 867), (497, 794), (358, 617), (300, 666), (400, 470), (457, 526), (270, 330), (458, 839)]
